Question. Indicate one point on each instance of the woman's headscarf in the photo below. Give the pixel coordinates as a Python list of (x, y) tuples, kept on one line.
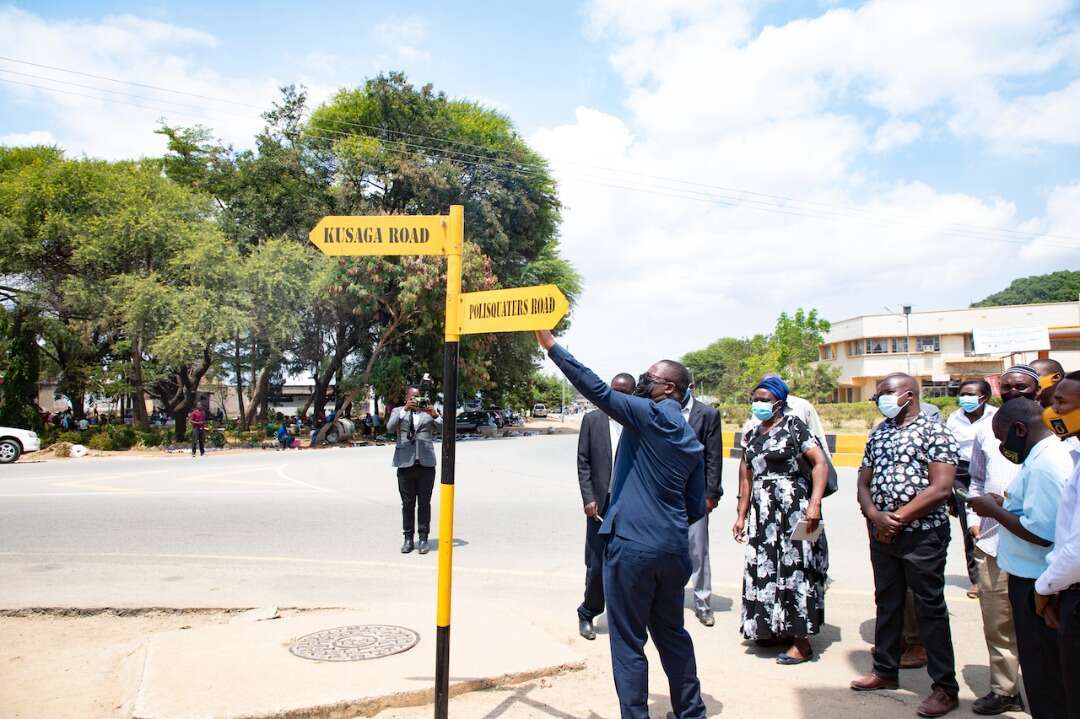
[(776, 386)]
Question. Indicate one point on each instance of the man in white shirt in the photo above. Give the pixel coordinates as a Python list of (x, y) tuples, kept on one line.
[(991, 473), (598, 440), (1057, 597), (974, 412)]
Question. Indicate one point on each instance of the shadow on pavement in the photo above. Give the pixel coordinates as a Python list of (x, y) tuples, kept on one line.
[(821, 642), (718, 602), (434, 543)]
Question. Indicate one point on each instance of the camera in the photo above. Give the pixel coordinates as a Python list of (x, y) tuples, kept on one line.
[(423, 399)]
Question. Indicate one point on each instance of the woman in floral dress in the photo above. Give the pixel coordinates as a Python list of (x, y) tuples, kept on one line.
[(784, 580)]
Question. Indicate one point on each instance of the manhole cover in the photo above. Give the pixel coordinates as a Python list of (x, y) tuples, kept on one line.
[(355, 643)]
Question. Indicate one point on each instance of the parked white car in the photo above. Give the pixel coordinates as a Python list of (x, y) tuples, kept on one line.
[(539, 410), (13, 442)]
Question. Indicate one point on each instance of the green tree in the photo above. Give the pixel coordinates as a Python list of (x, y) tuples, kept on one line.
[(1062, 286), (19, 367)]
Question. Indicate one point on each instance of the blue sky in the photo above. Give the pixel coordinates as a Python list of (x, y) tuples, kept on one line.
[(914, 136)]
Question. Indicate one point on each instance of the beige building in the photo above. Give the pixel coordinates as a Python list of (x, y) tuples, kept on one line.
[(939, 347)]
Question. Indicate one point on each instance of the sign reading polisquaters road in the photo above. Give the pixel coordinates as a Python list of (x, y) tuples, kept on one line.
[(514, 310), (381, 235)]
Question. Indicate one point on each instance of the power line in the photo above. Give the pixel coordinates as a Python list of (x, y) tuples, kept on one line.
[(707, 195)]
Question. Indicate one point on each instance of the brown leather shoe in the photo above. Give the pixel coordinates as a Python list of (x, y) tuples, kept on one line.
[(938, 704), (872, 683), (913, 658)]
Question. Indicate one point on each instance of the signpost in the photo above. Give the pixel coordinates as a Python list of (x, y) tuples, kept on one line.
[(513, 310), (1010, 340)]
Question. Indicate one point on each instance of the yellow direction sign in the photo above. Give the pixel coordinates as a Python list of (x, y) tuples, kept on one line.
[(514, 310), (382, 235)]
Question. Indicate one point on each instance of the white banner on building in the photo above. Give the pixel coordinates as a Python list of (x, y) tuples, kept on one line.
[(1006, 340)]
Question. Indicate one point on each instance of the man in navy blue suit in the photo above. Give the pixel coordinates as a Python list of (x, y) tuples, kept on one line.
[(657, 491)]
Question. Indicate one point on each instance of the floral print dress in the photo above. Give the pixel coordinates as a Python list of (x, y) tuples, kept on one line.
[(783, 581)]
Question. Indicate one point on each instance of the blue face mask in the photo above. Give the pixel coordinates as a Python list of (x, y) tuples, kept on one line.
[(762, 410), (969, 403), (889, 406)]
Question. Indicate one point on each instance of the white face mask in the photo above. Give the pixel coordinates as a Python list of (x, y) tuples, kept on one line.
[(889, 406)]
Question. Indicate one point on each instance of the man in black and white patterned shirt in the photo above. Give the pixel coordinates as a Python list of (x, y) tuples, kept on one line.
[(905, 480)]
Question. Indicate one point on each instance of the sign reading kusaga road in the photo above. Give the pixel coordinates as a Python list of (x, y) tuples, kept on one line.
[(381, 235)]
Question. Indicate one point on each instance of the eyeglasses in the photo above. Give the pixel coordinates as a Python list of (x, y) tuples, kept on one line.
[(646, 378)]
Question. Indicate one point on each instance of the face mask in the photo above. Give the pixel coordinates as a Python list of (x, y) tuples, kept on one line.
[(762, 410), (1013, 394), (889, 406), (1014, 448), (1062, 425), (969, 403), (644, 386), (1048, 380)]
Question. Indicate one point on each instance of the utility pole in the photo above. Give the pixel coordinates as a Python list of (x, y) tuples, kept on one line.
[(907, 335)]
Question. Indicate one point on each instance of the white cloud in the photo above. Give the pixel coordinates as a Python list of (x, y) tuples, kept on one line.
[(674, 255), (112, 120), (34, 137), (402, 38), (894, 134)]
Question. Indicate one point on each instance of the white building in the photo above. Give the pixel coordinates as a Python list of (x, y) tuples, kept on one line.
[(938, 347)]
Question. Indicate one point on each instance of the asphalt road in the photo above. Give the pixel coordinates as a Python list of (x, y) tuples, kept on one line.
[(322, 528)]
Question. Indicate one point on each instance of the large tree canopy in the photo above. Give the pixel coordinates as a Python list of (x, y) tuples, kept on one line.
[(145, 277)]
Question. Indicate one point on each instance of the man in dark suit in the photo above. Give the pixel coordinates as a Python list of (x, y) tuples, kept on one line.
[(705, 421), (597, 440), (657, 491), (414, 457)]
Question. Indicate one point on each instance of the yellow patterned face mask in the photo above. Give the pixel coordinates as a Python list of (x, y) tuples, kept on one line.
[(1063, 425), (1048, 380)]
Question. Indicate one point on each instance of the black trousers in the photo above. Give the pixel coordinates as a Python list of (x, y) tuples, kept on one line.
[(1069, 646), (916, 561), (198, 440), (1040, 656), (593, 604), (415, 484), (963, 482)]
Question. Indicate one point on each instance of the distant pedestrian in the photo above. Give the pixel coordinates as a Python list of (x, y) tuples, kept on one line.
[(198, 431), (283, 437), (414, 458)]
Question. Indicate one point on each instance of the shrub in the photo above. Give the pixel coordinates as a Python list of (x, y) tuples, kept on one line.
[(217, 439), (152, 438), (121, 436), (71, 437), (62, 449), (101, 442)]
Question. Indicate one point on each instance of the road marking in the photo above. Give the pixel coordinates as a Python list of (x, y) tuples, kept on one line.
[(284, 491), (281, 473)]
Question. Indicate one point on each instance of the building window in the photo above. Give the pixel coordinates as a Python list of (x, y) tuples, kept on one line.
[(850, 394), (899, 344), (930, 343), (856, 348), (877, 346), (935, 389), (828, 352)]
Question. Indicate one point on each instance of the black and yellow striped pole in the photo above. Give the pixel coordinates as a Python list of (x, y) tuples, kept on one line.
[(455, 242)]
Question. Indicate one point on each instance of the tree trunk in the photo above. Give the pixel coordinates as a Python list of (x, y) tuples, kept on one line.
[(138, 396), (239, 368), (259, 397)]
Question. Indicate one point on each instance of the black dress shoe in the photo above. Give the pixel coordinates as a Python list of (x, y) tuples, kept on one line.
[(408, 546), (422, 545), (586, 629), (705, 616), (997, 704)]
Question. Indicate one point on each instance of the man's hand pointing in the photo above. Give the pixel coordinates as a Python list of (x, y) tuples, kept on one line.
[(546, 339)]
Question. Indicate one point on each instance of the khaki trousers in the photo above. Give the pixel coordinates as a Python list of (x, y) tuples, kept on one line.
[(998, 627)]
